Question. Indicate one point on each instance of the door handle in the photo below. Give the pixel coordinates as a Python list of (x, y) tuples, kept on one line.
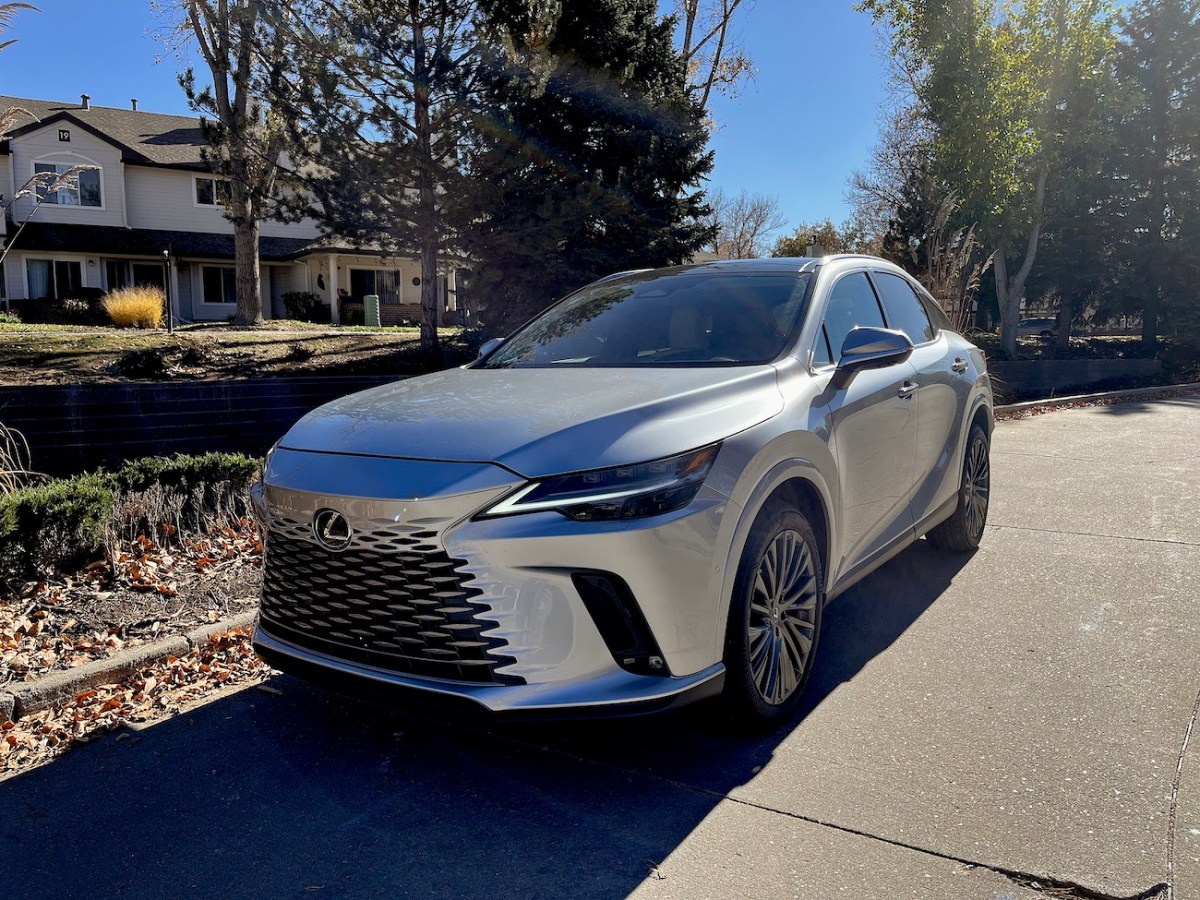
[(960, 364), (907, 388)]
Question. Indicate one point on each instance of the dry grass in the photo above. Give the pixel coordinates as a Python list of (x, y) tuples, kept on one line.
[(14, 460), (140, 306)]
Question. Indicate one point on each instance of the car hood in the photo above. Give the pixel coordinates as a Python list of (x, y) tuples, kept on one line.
[(542, 421)]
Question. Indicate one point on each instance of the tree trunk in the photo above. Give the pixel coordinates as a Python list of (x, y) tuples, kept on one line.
[(1009, 294), (427, 215), (1066, 318), (1009, 310), (247, 272)]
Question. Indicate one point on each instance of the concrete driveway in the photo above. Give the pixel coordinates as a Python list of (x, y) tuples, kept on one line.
[(1012, 724)]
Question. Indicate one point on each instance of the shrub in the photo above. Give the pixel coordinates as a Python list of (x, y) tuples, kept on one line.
[(70, 521), (305, 306), (70, 311), (61, 524), (140, 306), (9, 318)]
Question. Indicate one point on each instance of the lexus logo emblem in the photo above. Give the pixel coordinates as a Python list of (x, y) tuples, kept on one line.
[(331, 529)]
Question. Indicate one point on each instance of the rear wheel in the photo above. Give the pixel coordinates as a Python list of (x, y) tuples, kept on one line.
[(962, 532), (774, 618)]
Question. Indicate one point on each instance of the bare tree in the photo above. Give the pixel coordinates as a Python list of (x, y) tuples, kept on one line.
[(744, 224), (243, 53), (714, 58)]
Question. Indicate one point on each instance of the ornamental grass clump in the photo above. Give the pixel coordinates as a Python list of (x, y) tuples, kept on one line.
[(140, 306)]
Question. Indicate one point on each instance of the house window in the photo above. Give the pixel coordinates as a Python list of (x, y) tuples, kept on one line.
[(53, 279), (211, 191), (124, 273), (220, 285), (384, 282), (84, 192)]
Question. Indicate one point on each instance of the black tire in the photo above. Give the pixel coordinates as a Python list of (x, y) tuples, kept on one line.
[(962, 532), (773, 626)]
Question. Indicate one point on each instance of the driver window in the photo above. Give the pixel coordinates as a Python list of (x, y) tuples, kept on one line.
[(852, 304)]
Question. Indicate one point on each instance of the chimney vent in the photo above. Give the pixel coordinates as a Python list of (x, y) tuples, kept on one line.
[(86, 100), (133, 103)]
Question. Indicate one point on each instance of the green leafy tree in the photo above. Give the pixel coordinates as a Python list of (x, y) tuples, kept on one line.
[(1003, 85), (586, 156), (244, 54), (829, 238)]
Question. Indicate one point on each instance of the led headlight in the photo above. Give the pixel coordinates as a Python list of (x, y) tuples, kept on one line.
[(622, 492)]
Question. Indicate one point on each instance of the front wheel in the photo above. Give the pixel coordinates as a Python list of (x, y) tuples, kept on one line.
[(774, 618), (962, 532)]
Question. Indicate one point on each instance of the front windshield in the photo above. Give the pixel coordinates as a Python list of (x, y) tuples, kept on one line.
[(692, 317)]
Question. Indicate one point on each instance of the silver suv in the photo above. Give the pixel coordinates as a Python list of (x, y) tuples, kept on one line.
[(644, 495)]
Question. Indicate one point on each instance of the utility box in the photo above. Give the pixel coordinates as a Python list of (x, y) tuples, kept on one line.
[(371, 310)]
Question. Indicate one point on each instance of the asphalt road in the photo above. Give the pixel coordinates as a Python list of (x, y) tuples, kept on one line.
[(1007, 725)]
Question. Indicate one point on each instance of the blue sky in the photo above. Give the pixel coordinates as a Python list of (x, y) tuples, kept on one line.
[(797, 131)]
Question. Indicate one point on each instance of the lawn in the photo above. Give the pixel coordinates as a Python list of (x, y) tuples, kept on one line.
[(49, 354)]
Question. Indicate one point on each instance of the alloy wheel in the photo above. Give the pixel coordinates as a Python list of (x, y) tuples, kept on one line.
[(976, 486), (783, 616)]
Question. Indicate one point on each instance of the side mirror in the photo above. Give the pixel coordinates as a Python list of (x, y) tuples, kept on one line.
[(874, 348), (488, 347)]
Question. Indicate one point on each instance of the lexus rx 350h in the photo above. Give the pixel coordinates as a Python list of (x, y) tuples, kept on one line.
[(644, 495)]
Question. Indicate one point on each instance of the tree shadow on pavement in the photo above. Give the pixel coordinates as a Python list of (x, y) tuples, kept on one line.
[(284, 790), (1145, 406)]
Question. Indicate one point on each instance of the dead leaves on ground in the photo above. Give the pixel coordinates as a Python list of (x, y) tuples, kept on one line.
[(145, 565), (52, 626), (152, 693)]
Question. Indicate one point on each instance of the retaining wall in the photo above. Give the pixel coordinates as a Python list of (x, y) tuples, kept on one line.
[(75, 427)]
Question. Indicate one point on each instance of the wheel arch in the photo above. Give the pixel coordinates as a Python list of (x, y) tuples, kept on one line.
[(794, 482)]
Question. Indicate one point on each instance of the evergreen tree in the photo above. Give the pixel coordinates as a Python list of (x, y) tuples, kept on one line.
[(378, 105), (586, 157), (1152, 201)]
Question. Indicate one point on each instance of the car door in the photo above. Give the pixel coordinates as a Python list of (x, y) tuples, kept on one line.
[(940, 397), (872, 429)]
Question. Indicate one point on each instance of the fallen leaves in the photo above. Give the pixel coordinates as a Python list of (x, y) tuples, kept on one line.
[(148, 591), (157, 691)]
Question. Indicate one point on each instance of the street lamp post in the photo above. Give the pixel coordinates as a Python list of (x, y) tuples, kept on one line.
[(167, 290)]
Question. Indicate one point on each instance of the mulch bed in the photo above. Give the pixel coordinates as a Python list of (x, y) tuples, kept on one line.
[(146, 593)]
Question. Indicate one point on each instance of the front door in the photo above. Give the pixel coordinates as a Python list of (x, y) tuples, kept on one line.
[(872, 430)]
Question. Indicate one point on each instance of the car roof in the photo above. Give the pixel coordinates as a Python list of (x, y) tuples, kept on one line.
[(774, 264)]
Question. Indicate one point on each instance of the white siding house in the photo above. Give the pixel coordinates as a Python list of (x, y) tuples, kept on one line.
[(151, 213)]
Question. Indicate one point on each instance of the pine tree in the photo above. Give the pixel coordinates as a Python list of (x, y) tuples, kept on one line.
[(1153, 171), (586, 157)]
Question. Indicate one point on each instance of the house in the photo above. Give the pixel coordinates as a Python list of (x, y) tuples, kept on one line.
[(151, 214)]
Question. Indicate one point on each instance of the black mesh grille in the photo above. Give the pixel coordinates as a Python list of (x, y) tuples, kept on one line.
[(406, 611)]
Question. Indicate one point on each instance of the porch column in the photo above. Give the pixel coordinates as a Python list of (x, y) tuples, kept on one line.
[(334, 318), (452, 289)]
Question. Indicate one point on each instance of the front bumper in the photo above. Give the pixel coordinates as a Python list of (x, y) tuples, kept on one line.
[(518, 579), (618, 692)]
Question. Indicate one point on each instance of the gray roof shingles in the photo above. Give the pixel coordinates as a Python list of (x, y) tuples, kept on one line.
[(147, 137)]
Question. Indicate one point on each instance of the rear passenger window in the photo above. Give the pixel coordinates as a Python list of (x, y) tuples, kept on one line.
[(852, 304), (939, 319), (904, 310)]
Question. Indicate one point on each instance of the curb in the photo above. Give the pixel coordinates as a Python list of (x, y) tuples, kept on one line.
[(57, 687), (1103, 395)]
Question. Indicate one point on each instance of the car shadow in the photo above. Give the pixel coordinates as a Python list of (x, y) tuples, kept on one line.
[(285, 790)]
